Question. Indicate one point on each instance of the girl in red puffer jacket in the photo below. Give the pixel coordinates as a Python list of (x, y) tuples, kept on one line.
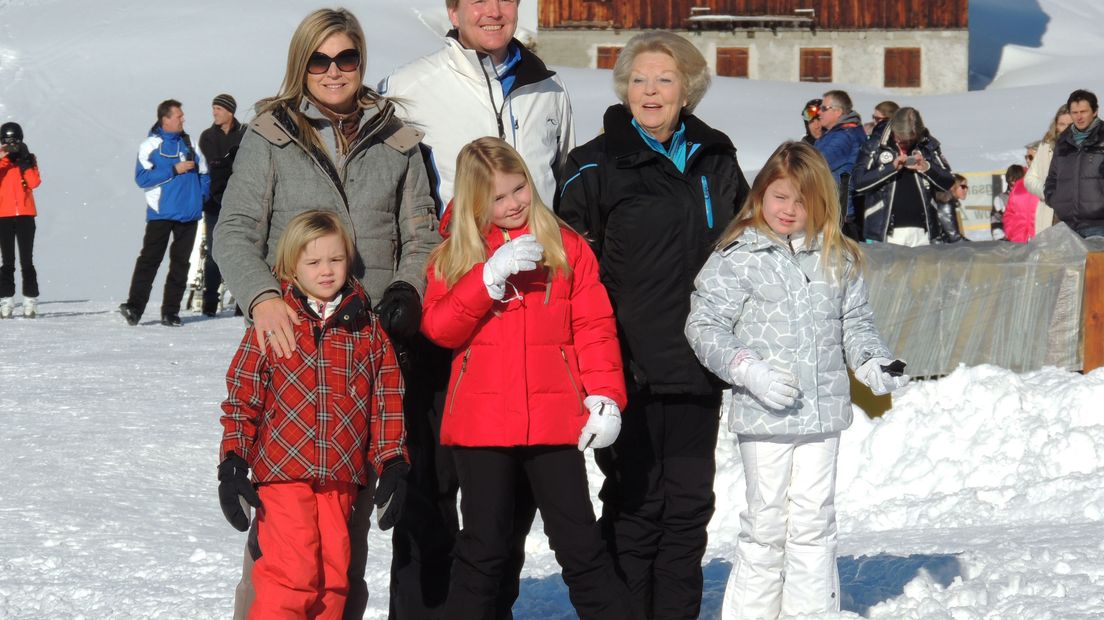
[(536, 372)]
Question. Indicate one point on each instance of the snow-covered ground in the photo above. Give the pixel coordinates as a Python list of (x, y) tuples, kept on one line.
[(980, 495)]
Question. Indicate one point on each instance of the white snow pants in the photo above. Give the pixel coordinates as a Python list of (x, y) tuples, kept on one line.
[(786, 551)]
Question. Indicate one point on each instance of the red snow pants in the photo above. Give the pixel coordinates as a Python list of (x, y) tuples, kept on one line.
[(303, 533)]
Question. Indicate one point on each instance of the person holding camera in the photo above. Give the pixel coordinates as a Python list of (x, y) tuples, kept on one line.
[(899, 173), (174, 176), (18, 177)]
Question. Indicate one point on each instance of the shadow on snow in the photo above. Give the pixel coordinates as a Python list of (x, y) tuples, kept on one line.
[(864, 581)]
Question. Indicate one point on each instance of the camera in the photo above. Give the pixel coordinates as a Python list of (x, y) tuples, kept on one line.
[(910, 160)]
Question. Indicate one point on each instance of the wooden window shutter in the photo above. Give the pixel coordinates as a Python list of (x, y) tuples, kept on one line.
[(607, 56), (816, 64), (902, 67), (732, 61)]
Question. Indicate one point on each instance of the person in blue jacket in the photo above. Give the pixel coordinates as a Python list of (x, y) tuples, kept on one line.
[(840, 143), (173, 174)]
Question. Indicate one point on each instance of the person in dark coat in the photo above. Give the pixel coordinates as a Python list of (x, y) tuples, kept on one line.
[(810, 115), (652, 194), (1075, 182), (898, 175), (219, 144)]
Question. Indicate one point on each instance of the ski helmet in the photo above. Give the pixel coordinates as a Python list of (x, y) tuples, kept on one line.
[(11, 133)]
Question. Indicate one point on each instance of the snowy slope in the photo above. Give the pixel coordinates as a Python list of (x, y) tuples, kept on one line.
[(979, 496)]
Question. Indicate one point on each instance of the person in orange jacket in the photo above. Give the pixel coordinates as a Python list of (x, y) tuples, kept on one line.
[(18, 177), (317, 428), (536, 373)]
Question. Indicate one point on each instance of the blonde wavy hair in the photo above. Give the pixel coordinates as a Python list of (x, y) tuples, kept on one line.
[(807, 170), (1052, 131), (301, 230), (472, 205), (308, 37)]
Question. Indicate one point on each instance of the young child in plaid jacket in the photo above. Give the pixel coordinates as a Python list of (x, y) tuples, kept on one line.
[(309, 425)]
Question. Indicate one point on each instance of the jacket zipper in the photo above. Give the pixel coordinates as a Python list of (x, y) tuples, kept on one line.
[(708, 202), (459, 378), (571, 377)]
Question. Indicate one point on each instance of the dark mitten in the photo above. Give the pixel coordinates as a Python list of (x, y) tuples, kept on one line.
[(233, 475), (391, 493), (400, 311), (23, 158)]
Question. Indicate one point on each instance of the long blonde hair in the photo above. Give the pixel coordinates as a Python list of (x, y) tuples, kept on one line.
[(807, 170), (1052, 131), (472, 203), (301, 230), (308, 37)]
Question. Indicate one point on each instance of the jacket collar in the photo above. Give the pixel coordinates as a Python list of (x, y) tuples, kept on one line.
[(497, 237), (352, 308), (756, 240), (622, 138), (530, 68), (847, 121)]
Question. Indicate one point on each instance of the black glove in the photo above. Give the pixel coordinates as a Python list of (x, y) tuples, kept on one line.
[(233, 475), (21, 157), (391, 493), (400, 311)]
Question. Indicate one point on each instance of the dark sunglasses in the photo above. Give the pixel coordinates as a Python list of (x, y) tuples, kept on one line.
[(810, 112), (10, 140), (319, 63)]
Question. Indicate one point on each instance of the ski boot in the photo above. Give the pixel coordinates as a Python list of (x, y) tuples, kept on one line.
[(30, 307), (7, 306)]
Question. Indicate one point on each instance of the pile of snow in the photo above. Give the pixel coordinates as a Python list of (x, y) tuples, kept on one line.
[(979, 495)]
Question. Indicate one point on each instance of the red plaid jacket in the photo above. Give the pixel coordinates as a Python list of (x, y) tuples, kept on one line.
[(317, 415)]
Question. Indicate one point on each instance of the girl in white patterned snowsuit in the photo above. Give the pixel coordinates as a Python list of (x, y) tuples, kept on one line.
[(779, 308)]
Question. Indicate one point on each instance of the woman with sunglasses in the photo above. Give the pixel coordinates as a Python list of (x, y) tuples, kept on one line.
[(328, 142)]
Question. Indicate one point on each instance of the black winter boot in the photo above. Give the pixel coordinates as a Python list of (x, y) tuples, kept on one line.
[(131, 315)]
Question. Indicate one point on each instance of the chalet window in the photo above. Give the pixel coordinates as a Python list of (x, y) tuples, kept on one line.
[(607, 56), (902, 67), (816, 64), (732, 61)]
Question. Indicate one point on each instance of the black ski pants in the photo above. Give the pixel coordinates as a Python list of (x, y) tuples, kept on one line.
[(657, 499), (18, 229), (422, 542), (154, 243), (212, 277), (557, 477)]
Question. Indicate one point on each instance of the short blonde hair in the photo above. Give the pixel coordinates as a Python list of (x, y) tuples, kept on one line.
[(300, 231), (691, 64)]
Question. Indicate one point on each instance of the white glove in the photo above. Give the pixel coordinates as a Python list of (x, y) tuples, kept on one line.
[(604, 425), (872, 375), (515, 256), (776, 389)]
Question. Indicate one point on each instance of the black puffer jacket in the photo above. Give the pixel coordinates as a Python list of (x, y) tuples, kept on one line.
[(1075, 183), (876, 180), (652, 228)]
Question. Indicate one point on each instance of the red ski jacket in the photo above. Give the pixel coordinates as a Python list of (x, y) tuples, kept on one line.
[(16, 197), (320, 414), (522, 367)]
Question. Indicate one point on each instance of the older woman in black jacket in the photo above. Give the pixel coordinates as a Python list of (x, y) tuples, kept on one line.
[(652, 194)]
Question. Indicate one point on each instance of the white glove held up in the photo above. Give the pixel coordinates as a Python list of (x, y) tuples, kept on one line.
[(776, 389), (604, 425), (879, 381), (515, 256)]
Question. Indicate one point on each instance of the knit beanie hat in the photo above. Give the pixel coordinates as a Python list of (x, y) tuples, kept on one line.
[(226, 102)]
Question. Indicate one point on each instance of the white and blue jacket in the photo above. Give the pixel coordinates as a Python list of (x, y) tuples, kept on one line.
[(171, 196)]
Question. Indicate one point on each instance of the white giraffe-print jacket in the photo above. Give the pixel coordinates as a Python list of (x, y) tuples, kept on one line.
[(758, 294)]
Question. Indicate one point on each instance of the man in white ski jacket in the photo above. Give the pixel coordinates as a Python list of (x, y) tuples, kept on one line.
[(483, 82), (466, 91)]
